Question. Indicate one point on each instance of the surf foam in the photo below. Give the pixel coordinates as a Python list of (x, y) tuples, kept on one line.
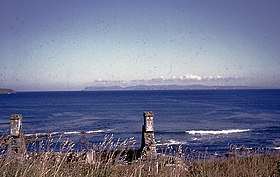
[(170, 142), (71, 133), (67, 133), (88, 132), (215, 132)]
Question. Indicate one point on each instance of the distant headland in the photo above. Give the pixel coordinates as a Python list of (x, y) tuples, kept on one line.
[(7, 91), (168, 87)]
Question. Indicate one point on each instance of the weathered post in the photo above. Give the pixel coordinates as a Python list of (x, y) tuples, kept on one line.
[(17, 143), (148, 146)]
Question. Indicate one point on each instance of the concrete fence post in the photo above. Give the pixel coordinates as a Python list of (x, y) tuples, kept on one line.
[(17, 143), (148, 146)]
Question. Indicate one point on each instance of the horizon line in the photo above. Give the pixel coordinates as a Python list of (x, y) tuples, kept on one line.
[(127, 88)]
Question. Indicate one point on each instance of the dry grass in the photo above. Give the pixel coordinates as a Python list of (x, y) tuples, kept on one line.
[(112, 159)]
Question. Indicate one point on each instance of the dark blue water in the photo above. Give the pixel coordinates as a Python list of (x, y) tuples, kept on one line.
[(249, 118)]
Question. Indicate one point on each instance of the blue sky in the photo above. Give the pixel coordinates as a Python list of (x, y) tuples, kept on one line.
[(69, 45)]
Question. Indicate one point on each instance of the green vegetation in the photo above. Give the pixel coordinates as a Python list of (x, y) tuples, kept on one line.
[(99, 162)]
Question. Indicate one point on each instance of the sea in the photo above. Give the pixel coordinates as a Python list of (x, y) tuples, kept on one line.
[(198, 120)]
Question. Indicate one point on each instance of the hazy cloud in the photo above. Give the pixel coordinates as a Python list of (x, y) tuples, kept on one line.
[(177, 80)]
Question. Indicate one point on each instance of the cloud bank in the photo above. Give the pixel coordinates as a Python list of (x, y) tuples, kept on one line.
[(186, 79)]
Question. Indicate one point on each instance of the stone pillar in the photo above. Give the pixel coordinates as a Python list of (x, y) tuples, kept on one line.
[(17, 143), (148, 146)]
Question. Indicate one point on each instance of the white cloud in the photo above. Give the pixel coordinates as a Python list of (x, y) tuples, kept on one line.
[(192, 77), (179, 80)]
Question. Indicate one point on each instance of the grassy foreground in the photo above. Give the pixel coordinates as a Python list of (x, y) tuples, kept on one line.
[(237, 166), (52, 163)]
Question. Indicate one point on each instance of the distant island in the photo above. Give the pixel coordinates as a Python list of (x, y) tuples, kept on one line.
[(7, 91), (168, 87)]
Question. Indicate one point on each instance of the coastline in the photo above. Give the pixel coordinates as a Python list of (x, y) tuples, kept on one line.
[(7, 91)]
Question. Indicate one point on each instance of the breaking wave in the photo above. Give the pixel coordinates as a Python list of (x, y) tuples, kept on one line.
[(68, 133), (215, 132), (87, 132), (98, 131), (170, 142)]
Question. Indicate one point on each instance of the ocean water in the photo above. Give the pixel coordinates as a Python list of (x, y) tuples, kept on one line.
[(200, 120)]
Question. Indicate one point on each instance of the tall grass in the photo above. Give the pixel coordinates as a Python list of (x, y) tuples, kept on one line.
[(119, 158)]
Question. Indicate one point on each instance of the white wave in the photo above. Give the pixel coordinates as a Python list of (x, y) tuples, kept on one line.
[(176, 142), (43, 134), (170, 142), (67, 133), (71, 133), (98, 131), (36, 134), (88, 132), (215, 132), (56, 133), (95, 131)]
